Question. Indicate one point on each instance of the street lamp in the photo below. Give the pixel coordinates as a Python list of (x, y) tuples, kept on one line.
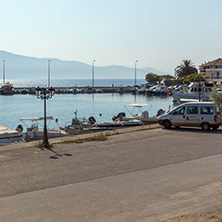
[(44, 94), (3, 71), (199, 84), (135, 71), (93, 73), (49, 73)]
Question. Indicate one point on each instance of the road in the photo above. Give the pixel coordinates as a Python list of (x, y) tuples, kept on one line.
[(139, 176)]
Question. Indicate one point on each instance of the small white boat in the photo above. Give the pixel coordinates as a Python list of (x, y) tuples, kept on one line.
[(8, 136), (33, 129), (120, 124), (137, 112), (162, 90)]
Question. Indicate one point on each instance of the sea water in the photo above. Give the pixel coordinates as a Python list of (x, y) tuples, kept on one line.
[(75, 82), (62, 106)]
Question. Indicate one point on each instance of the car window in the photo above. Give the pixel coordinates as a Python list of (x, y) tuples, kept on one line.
[(208, 110), (178, 111), (192, 110)]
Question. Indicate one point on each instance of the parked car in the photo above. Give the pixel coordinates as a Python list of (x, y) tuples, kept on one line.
[(200, 114)]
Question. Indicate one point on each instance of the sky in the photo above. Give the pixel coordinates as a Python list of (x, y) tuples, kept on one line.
[(157, 33)]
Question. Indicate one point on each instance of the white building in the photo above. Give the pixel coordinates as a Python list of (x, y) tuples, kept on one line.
[(212, 71)]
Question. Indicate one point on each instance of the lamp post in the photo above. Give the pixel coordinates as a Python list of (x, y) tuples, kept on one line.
[(44, 94), (199, 85), (3, 71), (49, 73), (93, 73), (135, 71)]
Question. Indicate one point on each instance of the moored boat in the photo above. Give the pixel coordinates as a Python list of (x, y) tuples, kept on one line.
[(193, 93), (8, 136), (137, 112), (7, 89), (33, 131)]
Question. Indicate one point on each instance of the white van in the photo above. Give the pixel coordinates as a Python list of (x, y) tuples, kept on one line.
[(200, 114)]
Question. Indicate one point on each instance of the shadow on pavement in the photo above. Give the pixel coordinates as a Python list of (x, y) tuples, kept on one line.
[(57, 155)]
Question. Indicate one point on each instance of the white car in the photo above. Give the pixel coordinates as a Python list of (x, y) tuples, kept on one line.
[(201, 114)]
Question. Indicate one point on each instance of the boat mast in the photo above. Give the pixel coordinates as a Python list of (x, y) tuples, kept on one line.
[(3, 71)]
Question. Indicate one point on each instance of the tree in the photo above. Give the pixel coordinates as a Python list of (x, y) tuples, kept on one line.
[(152, 78), (192, 78), (185, 68), (217, 99)]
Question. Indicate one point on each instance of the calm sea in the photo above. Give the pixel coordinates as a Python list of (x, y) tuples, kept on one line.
[(62, 106), (75, 82)]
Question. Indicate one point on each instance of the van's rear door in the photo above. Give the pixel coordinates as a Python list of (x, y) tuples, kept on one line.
[(208, 113)]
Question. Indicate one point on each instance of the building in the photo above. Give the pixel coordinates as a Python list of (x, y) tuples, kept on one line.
[(212, 71)]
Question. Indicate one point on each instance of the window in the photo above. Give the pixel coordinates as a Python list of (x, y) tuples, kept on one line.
[(192, 110), (208, 110), (178, 111)]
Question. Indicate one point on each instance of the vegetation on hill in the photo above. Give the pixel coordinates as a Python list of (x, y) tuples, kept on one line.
[(155, 79)]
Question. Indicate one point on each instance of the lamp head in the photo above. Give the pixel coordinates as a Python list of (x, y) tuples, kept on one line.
[(38, 90)]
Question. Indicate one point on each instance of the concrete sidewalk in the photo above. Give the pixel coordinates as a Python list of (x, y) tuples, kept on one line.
[(79, 136)]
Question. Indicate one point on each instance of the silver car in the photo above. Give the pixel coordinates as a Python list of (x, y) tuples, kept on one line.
[(201, 114)]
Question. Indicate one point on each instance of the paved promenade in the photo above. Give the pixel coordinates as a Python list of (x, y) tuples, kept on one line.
[(145, 175)]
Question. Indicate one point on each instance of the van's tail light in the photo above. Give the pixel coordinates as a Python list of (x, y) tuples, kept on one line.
[(215, 118)]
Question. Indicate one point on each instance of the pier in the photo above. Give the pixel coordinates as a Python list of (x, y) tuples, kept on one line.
[(76, 90)]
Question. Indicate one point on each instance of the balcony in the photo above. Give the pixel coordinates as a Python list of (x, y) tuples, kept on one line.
[(213, 79), (213, 70)]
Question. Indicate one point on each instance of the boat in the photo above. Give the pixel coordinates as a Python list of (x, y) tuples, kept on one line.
[(119, 124), (8, 136), (7, 89), (34, 130), (160, 90), (137, 112), (81, 126), (193, 93)]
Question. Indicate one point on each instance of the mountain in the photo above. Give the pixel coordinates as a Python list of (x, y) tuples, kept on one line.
[(24, 67)]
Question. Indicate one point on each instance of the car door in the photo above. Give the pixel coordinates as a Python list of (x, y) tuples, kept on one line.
[(192, 117), (177, 116)]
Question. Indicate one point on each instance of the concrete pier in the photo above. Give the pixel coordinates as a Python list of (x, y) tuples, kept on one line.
[(75, 90)]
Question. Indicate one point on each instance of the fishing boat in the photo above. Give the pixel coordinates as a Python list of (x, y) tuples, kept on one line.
[(7, 89), (34, 129)]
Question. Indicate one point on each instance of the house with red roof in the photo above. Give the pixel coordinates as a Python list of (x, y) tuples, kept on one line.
[(212, 71)]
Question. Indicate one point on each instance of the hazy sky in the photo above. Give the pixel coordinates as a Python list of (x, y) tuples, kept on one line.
[(158, 33)]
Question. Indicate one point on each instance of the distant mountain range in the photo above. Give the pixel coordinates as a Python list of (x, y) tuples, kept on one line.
[(24, 67)]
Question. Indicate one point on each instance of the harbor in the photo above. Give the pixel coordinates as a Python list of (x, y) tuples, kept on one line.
[(102, 106)]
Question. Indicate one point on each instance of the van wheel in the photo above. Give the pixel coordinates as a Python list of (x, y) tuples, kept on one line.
[(205, 126), (215, 127), (167, 124)]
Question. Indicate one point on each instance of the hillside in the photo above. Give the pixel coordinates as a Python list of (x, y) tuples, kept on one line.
[(24, 67)]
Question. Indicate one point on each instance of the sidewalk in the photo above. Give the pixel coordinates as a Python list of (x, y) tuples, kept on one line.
[(79, 136)]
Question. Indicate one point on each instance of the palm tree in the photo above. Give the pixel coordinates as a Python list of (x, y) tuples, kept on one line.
[(185, 68)]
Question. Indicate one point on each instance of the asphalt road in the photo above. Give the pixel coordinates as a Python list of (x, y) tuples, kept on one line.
[(138, 176)]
